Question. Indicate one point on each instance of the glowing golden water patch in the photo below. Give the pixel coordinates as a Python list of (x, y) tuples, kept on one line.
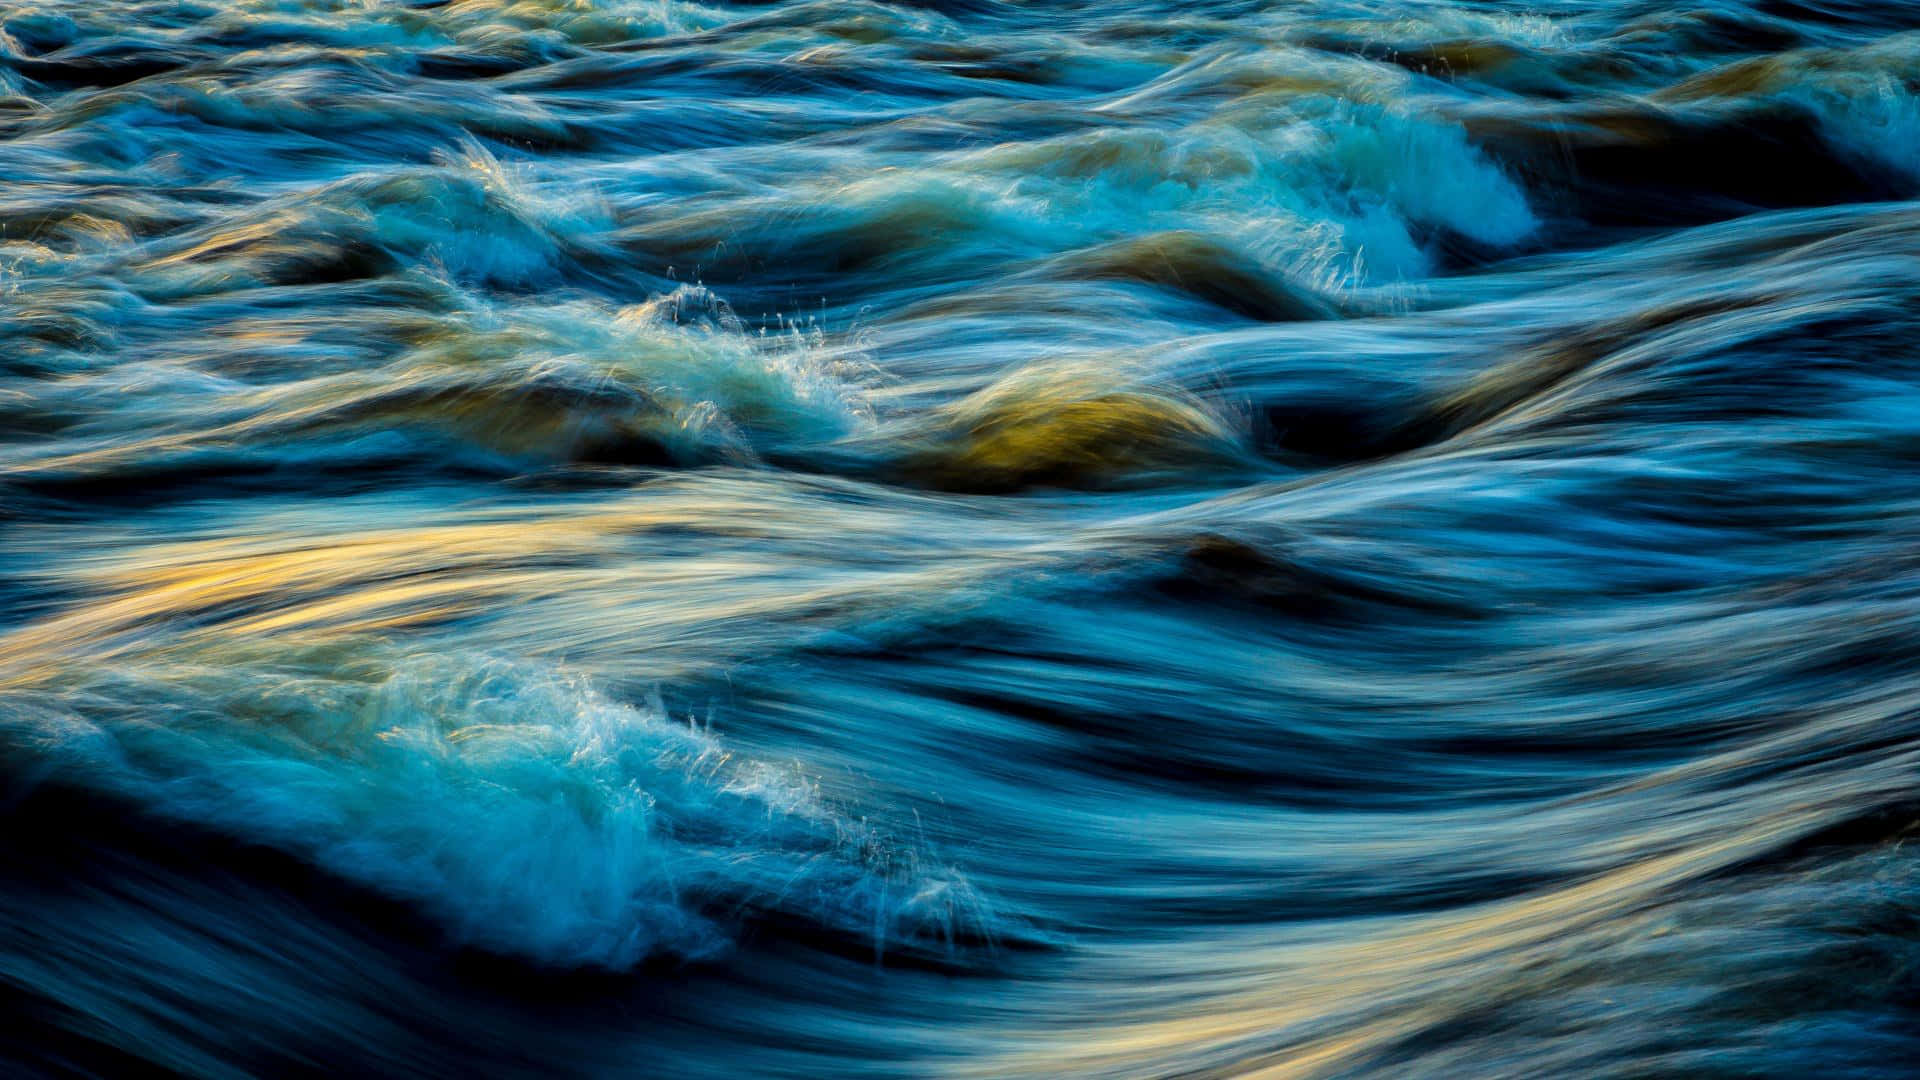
[(557, 580), (1067, 428), (1326, 999), (1315, 1009)]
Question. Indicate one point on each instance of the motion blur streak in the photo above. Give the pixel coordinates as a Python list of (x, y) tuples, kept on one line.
[(978, 539)]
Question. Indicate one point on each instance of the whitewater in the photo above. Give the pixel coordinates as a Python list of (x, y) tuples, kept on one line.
[(990, 539)]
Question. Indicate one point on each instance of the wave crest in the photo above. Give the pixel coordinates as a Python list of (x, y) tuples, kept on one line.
[(522, 809)]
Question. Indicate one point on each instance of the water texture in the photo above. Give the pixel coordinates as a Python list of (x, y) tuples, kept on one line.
[(623, 538)]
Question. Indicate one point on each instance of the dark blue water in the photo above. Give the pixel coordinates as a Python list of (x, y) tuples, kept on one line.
[(635, 538)]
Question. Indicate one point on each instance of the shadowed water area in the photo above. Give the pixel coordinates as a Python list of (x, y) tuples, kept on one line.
[(620, 538)]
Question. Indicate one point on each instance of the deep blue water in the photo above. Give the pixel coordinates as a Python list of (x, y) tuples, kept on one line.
[(626, 538)]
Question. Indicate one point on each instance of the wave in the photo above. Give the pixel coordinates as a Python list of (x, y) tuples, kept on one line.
[(492, 387), (525, 812)]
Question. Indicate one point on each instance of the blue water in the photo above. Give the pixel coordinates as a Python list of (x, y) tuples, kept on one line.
[(634, 538)]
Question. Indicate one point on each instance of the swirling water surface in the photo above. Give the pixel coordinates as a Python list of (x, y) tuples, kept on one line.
[(638, 538)]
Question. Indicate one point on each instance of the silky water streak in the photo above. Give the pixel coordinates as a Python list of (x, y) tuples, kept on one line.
[(983, 539)]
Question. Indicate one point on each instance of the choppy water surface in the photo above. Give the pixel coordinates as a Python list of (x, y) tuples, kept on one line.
[(990, 539)]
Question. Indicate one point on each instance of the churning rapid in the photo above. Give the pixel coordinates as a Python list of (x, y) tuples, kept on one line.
[(990, 539)]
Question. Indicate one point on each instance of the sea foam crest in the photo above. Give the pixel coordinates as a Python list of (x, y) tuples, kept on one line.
[(468, 217), (1333, 192), (520, 808), (678, 372)]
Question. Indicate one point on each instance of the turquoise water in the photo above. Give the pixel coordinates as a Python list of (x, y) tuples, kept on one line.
[(991, 539)]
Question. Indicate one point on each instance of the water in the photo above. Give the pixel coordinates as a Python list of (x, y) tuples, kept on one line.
[(988, 539)]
